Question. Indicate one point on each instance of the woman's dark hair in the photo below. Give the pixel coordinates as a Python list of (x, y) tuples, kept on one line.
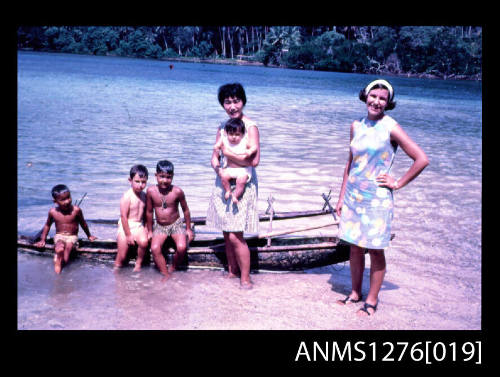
[(232, 90), (235, 124), (390, 105), (58, 190), (140, 170), (165, 166)]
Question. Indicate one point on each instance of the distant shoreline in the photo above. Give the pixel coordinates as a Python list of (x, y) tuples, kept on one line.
[(383, 73), (429, 76)]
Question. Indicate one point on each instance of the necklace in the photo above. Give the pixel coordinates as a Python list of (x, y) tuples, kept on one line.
[(164, 198)]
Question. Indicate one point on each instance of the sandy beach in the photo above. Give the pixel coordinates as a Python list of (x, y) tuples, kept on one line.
[(203, 299)]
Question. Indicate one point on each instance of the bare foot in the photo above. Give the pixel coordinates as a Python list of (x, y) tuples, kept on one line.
[(137, 268), (246, 285), (166, 277), (227, 195), (117, 267), (57, 264), (235, 199), (230, 275)]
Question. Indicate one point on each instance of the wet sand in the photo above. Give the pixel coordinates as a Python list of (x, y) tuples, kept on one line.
[(203, 299)]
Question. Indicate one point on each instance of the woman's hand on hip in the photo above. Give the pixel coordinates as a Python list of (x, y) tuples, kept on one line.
[(387, 181)]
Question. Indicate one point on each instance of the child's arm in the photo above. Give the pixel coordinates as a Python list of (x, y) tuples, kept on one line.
[(187, 216), (45, 231), (149, 213), (84, 225), (124, 209)]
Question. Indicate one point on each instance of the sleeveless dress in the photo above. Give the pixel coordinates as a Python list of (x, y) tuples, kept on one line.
[(226, 216), (367, 211)]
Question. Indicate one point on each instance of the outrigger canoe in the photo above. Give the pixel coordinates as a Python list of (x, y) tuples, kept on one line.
[(272, 250), (285, 254)]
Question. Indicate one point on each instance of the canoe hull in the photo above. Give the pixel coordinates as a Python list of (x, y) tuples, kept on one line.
[(285, 254)]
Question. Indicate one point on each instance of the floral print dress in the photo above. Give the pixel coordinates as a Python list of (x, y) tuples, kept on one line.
[(367, 211)]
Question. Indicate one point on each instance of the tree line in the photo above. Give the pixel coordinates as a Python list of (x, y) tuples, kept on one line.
[(424, 51)]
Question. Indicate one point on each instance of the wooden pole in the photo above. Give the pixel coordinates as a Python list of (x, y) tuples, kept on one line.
[(288, 231), (201, 220), (270, 209), (327, 203)]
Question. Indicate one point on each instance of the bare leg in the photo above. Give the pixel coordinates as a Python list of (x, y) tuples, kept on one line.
[(141, 252), (242, 254), (240, 187), (59, 257), (181, 246), (232, 264), (225, 178), (142, 245), (67, 252), (377, 273), (122, 249), (160, 262), (357, 265)]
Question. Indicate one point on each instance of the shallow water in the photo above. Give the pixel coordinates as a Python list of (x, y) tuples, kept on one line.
[(84, 120)]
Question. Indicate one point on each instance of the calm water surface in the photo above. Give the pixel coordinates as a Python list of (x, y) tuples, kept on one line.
[(85, 120)]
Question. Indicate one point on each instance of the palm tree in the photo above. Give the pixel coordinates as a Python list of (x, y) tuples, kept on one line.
[(182, 38), (222, 33), (230, 38), (284, 36), (281, 38), (240, 30)]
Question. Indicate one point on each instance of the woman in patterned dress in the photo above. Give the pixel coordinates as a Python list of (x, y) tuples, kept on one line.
[(365, 202), (235, 218)]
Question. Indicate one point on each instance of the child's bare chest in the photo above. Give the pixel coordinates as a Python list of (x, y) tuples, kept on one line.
[(165, 202), (65, 222), (64, 218), (137, 202)]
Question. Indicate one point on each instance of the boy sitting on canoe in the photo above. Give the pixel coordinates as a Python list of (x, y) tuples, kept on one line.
[(67, 218), (131, 230), (165, 198)]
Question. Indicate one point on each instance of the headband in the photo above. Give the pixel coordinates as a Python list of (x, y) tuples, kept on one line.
[(381, 82)]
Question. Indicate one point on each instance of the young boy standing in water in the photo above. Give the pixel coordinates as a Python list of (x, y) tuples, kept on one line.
[(67, 218), (131, 230), (164, 199), (234, 138)]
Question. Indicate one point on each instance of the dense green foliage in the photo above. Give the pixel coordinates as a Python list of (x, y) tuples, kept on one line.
[(442, 51)]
